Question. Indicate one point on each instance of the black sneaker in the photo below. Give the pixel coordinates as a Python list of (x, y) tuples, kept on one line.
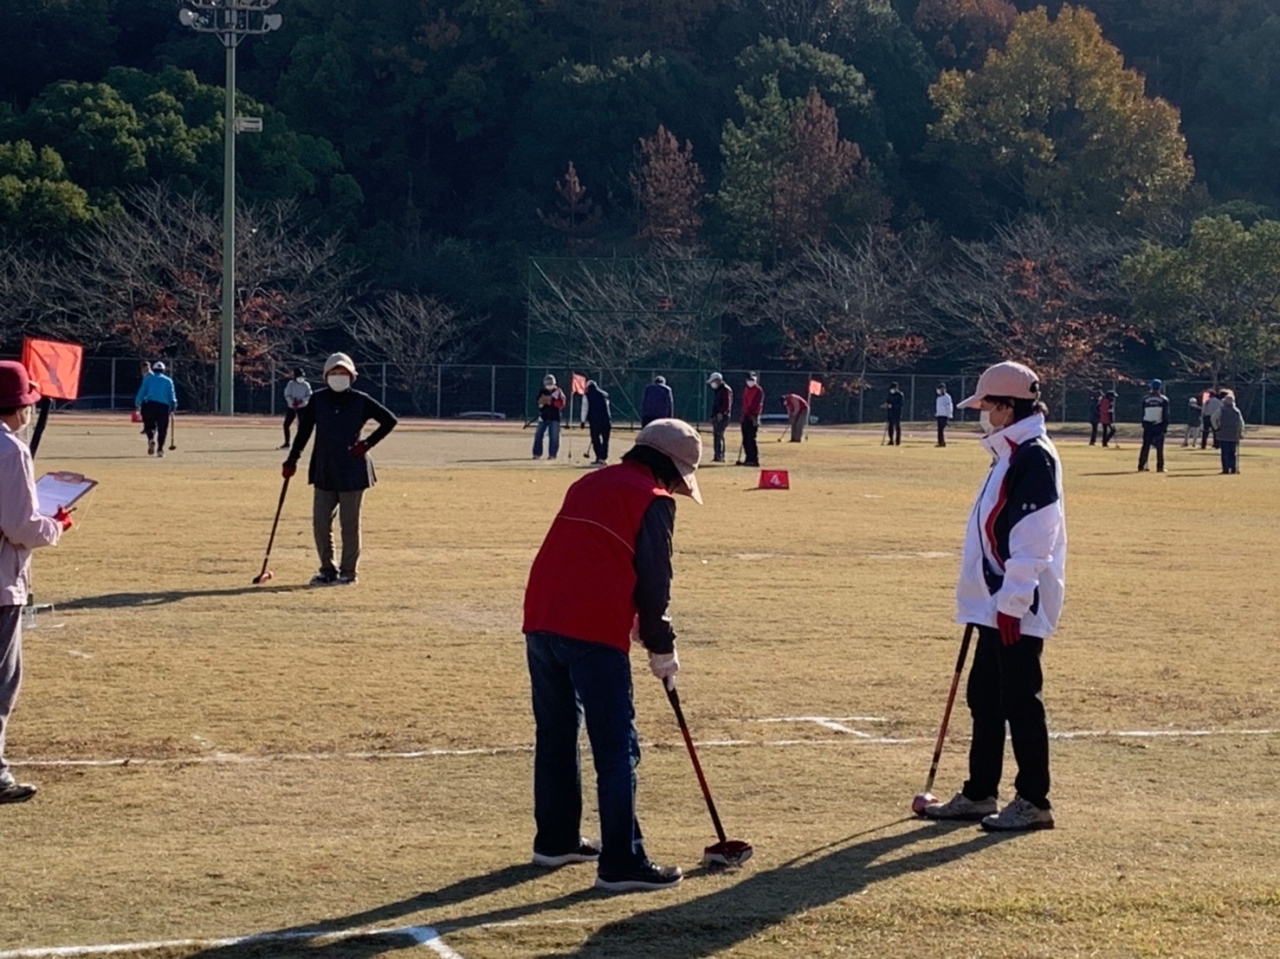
[(324, 578), (16, 792), (588, 851), (346, 579), (643, 877)]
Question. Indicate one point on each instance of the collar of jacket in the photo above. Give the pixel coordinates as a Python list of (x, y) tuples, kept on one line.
[(1001, 444)]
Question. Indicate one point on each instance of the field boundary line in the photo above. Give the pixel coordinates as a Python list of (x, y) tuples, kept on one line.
[(422, 935), (848, 736)]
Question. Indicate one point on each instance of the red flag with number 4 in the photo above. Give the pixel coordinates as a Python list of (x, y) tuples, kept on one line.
[(815, 388), (579, 384), (774, 479)]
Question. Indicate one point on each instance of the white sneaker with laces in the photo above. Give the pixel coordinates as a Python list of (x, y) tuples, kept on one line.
[(1019, 816), (960, 807)]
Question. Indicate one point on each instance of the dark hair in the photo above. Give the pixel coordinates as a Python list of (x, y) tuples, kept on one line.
[(9, 410), (893, 385), (660, 463), (1021, 408), (297, 371)]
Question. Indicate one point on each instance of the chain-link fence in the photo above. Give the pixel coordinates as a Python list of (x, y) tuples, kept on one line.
[(500, 392)]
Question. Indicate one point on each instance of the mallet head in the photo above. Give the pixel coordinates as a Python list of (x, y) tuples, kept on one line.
[(731, 852), (263, 577), (921, 800)]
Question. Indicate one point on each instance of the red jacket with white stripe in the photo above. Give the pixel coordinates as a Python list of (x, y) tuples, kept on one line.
[(752, 402), (605, 561), (1015, 547)]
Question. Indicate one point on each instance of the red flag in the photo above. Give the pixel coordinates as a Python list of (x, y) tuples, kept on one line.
[(815, 388), (774, 479), (54, 367), (579, 384)]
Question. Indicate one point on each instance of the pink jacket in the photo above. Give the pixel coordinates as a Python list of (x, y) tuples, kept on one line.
[(22, 529)]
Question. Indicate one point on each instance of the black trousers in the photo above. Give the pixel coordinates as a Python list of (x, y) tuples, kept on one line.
[(1206, 427), (1093, 432), (155, 421), (1108, 433), (942, 430), (1152, 438), (1005, 687), (600, 439), (894, 428), (749, 447), (289, 416)]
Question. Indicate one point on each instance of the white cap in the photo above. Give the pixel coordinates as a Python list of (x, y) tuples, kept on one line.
[(714, 378), (339, 359)]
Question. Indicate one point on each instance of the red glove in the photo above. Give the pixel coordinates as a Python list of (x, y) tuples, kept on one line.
[(288, 469), (359, 449), (1010, 628), (64, 517)]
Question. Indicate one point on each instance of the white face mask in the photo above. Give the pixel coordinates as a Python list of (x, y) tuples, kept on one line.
[(339, 383), (26, 413), (984, 421)]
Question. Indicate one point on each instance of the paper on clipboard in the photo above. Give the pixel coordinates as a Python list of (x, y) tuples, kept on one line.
[(60, 489)]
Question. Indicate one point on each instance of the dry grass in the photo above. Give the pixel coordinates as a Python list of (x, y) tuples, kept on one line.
[(833, 599)]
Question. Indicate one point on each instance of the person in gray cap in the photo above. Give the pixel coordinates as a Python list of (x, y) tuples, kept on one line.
[(1155, 423), (156, 400), (721, 413), (341, 468), (22, 528), (616, 526)]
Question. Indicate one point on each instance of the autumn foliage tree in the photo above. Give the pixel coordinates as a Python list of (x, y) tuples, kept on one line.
[(1045, 295), (961, 32), (667, 185), (576, 217), (1058, 121)]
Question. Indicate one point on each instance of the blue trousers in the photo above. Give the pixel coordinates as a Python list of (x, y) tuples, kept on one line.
[(552, 429), (572, 679)]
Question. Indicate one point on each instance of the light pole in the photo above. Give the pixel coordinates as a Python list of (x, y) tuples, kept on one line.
[(232, 21)]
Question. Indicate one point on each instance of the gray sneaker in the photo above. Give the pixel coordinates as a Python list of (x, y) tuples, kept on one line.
[(961, 808), (1019, 816)]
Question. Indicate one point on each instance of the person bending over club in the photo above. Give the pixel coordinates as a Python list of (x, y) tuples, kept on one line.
[(156, 400), (341, 468), (22, 529), (1011, 588), (616, 527)]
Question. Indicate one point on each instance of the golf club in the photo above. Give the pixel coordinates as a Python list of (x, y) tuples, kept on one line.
[(173, 432), (925, 798), (726, 852), (266, 574)]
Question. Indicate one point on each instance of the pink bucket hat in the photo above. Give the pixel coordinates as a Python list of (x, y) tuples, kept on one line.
[(16, 388), (1005, 379)]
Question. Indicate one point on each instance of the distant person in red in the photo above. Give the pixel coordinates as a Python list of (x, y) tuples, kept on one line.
[(797, 415), (615, 528), (1107, 416), (752, 408)]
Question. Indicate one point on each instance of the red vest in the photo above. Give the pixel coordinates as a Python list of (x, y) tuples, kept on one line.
[(582, 584)]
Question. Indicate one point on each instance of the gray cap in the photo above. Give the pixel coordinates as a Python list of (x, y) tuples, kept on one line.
[(681, 444), (339, 359)]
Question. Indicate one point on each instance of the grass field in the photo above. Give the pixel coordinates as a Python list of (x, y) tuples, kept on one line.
[(322, 765)]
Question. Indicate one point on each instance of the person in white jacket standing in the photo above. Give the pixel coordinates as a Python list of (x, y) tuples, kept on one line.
[(1012, 577), (943, 411), (297, 394), (22, 529)]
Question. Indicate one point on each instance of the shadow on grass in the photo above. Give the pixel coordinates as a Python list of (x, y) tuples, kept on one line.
[(120, 600), (685, 930)]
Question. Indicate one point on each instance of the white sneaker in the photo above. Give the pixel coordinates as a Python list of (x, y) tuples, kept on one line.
[(1019, 816), (960, 807), (151, 447)]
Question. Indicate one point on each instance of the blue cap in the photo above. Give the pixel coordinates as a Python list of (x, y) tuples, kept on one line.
[(1156, 384)]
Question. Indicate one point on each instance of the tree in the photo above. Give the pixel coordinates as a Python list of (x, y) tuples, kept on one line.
[(961, 32), (842, 308), (36, 199), (149, 278), (1060, 123), (1214, 301), (782, 168), (412, 333), (1043, 294), (667, 186), (576, 217)]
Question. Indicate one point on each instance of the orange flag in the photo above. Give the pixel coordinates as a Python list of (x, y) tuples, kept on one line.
[(815, 388), (579, 384), (54, 367)]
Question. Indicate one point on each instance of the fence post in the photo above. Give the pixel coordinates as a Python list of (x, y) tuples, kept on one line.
[(1263, 418), (493, 388), (439, 391), (913, 397), (862, 396), (1064, 399), (113, 382), (384, 384)]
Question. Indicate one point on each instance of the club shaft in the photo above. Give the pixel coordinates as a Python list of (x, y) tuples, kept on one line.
[(284, 488), (946, 713), (674, 698)]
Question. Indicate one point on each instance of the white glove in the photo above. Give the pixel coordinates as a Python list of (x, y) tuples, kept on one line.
[(665, 666)]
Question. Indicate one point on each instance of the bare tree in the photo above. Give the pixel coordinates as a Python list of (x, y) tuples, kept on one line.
[(149, 280), (412, 333)]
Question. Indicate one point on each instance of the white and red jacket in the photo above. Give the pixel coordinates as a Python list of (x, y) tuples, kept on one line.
[(1015, 547)]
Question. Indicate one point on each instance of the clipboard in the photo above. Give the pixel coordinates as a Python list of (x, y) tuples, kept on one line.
[(60, 489)]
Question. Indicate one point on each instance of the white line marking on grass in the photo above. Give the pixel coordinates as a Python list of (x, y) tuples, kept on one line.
[(859, 737), (423, 935)]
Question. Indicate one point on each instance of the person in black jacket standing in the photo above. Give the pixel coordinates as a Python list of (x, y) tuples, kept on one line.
[(340, 469), (1155, 423), (893, 415), (600, 421)]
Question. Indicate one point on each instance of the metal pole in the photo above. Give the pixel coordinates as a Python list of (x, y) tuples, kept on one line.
[(493, 388), (1064, 399), (384, 384), (439, 395), (913, 397), (275, 382), (228, 404), (113, 385)]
